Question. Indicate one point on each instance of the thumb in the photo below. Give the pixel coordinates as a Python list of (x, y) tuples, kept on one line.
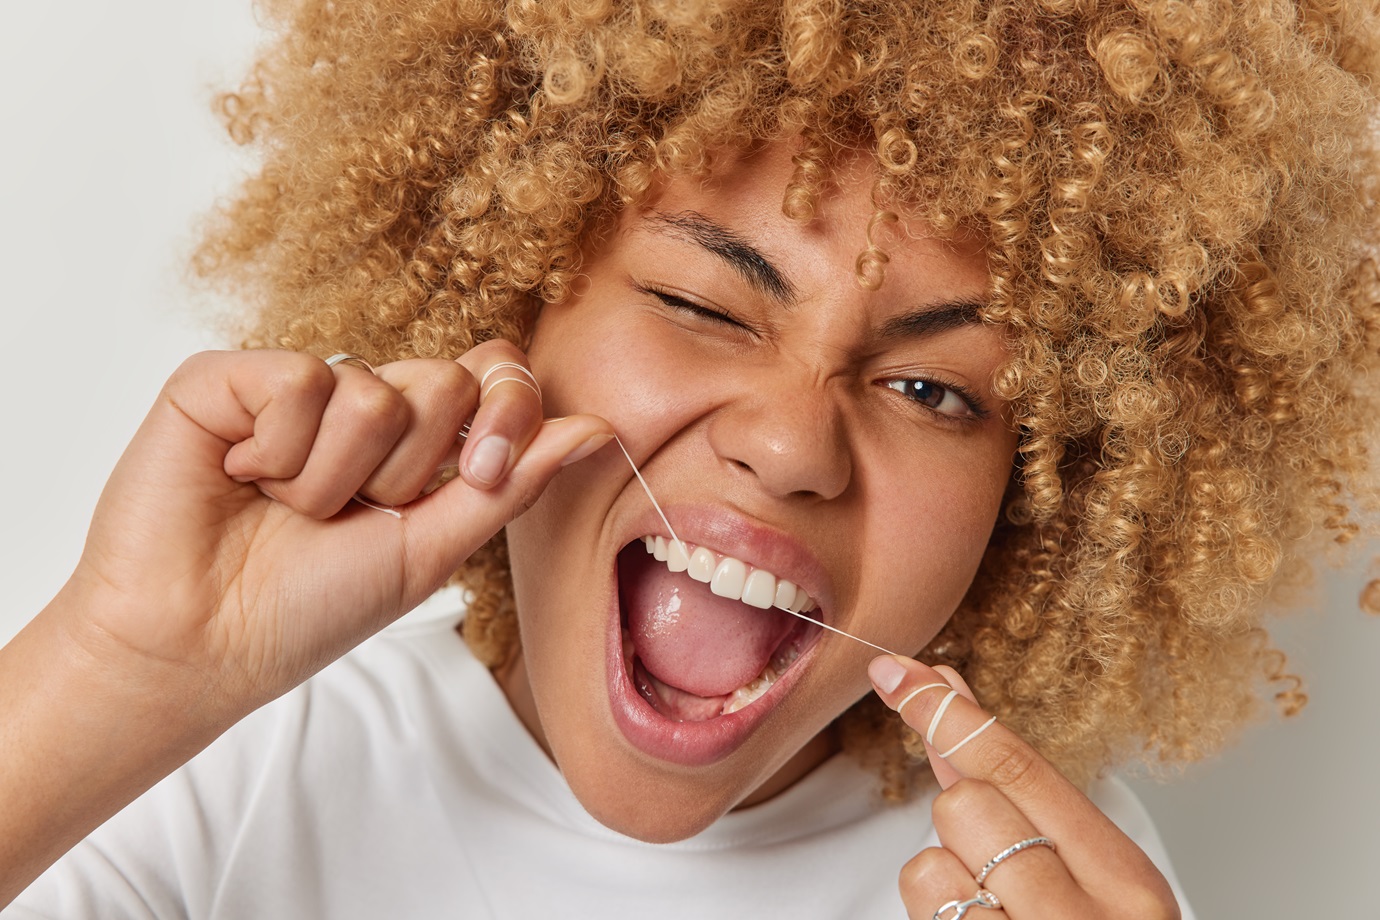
[(445, 527)]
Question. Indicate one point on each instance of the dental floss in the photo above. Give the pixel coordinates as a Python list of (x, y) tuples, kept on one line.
[(840, 632), (464, 433), (384, 508), (686, 552), (939, 714), (916, 692), (533, 386), (971, 735)]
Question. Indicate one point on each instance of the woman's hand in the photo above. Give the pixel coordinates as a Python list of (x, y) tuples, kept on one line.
[(998, 791), (226, 543), (226, 562)]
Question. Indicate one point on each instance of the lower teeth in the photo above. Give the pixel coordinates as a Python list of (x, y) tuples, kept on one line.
[(749, 692), (753, 691)]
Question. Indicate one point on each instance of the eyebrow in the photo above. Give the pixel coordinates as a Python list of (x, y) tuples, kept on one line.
[(758, 270), (744, 258), (933, 319)]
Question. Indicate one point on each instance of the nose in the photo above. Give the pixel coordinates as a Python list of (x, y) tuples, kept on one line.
[(787, 432)]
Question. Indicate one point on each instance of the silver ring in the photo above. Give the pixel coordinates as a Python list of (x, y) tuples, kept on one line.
[(347, 358), (984, 899), (1012, 851)]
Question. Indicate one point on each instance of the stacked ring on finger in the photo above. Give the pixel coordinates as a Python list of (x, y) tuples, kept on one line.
[(1012, 851), (984, 899), (347, 358)]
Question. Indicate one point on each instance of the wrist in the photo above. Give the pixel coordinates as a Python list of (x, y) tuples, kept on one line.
[(87, 726)]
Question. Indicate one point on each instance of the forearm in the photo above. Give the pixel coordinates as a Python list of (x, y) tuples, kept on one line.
[(82, 735)]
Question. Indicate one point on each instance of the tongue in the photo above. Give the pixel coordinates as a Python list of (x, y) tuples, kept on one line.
[(690, 638)]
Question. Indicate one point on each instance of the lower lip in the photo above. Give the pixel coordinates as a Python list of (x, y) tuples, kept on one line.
[(691, 744)]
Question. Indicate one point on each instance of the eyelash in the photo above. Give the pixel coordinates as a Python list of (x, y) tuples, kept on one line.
[(969, 399), (676, 302), (714, 314)]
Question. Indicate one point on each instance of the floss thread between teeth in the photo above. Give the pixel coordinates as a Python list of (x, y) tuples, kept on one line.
[(685, 552), (464, 432)]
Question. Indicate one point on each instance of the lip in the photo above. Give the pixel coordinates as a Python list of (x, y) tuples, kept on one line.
[(697, 744), (756, 544)]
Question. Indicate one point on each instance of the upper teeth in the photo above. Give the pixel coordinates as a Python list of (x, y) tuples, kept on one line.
[(729, 577)]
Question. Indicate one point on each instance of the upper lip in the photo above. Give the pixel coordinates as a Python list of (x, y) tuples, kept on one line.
[(759, 545)]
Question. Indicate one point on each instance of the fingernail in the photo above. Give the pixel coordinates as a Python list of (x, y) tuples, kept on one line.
[(588, 447), (489, 459), (886, 672)]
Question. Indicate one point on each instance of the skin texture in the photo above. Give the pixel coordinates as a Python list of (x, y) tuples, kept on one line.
[(789, 424)]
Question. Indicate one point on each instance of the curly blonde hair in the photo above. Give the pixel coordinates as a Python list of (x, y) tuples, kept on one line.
[(1180, 199)]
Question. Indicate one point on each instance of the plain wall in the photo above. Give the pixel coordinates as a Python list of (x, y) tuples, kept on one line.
[(107, 155)]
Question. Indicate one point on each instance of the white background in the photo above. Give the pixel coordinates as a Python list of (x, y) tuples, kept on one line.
[(107, 155)]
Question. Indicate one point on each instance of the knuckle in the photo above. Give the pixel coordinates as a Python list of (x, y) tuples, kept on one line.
[(502, 349), (925, 872), (299, 365), (276, 461), (383, 407), (1147, 901), (294, 372), (961, 798), (1012, 767), (452, 377), (194, 364), (450, 391)]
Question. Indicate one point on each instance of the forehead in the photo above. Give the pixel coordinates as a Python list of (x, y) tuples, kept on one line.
[(741, 201)]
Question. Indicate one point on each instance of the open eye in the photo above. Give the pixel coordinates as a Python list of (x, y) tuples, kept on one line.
[(944, 399)]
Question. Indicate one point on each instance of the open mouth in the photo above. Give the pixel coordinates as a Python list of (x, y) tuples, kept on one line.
[(704, 634)]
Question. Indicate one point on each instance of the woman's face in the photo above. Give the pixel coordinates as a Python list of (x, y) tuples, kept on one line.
[(807, 438)]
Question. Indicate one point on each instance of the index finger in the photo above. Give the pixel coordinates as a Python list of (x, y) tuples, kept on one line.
[(973, 744), (508, 416)]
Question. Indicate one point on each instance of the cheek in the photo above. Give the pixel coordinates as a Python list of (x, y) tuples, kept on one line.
[(930, 533), (597, 355)]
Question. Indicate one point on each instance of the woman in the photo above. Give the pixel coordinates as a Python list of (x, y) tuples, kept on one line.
[(781, 392)]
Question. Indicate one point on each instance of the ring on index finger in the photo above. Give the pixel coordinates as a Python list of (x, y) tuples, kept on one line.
[(1012, 851), (984, 899), (347, 358)]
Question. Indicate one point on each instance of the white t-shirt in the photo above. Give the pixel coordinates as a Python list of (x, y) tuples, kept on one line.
[(398, 783)]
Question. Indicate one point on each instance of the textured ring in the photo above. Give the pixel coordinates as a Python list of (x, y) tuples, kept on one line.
[(984, 899), (347, 358), (1012, 851)]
